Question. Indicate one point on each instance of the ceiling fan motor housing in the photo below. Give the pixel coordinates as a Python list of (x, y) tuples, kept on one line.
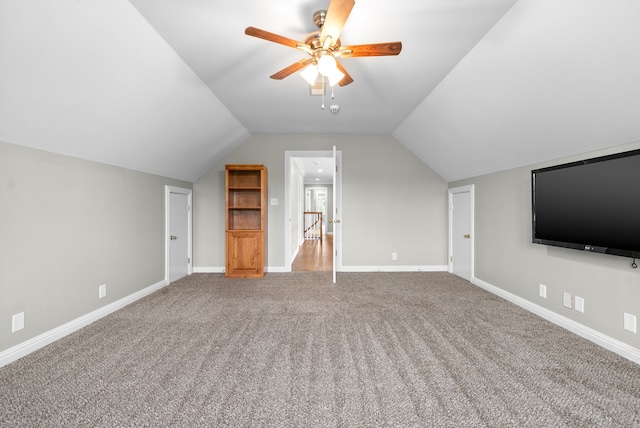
[(313, 39)]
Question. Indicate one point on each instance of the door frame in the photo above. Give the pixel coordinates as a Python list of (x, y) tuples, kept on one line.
[(167, 229), (289, 155), (455, 190)]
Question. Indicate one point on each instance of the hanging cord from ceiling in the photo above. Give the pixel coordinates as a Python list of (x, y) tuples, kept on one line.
[(333, 96)]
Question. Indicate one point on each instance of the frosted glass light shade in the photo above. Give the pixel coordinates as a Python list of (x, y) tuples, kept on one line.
[(335, 76), (310, 74), (326, 64)]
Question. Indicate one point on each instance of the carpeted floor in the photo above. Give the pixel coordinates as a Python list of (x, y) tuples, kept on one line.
[(378, 349)]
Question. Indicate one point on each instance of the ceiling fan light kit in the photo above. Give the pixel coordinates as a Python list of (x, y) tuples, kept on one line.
[(324, 47)]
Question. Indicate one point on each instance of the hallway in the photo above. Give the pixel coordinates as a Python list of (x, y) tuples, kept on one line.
[(315, 255)]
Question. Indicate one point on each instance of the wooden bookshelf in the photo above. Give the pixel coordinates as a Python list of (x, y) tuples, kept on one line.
[(246, 220)]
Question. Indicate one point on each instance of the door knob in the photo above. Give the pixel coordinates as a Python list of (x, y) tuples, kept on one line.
[(174, 237), (467, 235)]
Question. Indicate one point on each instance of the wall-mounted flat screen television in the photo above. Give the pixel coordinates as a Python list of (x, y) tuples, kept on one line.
[(590, 205)]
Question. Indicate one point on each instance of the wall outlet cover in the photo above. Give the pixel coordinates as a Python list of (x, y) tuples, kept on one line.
[(567, 300), (578, 303), (102, 291), (543, 291), (630, 322), (17, 322)]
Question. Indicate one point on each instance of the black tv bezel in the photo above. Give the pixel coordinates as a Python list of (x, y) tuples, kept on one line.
[(574, 245)]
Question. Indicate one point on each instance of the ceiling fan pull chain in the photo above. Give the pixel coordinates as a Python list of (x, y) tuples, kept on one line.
[(332, 95), (322, 92)]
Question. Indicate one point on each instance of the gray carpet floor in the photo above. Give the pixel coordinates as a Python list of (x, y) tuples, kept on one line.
[(376, 350)]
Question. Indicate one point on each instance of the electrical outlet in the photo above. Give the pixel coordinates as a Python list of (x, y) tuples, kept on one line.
[(543, 291), (102, 291), (17, 322), (578, 303), (567, 300), (630, 322), (394, 256)]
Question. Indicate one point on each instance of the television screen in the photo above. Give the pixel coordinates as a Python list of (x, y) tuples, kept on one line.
[(590, 205)]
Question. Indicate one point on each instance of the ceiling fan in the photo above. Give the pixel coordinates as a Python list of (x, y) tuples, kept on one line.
[(324, 46)]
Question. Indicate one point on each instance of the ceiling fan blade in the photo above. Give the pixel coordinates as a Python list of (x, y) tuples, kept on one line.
[(272, 37), (296, 66), (347, 79), (376, 49), (337, 14)]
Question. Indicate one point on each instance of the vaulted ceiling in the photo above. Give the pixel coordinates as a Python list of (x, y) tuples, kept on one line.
[(171, 86)]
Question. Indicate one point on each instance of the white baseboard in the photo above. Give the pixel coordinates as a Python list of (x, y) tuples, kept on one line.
[(208, 269), (216, 269), (12, 354), (613, 345), (294, 255), (280, 269), (435, 268)]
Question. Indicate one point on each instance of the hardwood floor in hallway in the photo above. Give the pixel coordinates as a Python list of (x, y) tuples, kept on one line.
[(315, 255)]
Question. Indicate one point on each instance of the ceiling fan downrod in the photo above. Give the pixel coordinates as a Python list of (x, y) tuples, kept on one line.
[(319, 17)]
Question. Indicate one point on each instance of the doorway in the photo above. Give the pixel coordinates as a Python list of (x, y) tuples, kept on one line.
[(309, 188), (315, 251)]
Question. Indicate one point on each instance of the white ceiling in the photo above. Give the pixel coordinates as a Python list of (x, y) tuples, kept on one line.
[(316, 170), (171, 86)]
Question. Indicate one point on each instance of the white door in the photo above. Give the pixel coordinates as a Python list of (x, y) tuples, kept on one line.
[(461, 231), (178, 234), (336, 216)]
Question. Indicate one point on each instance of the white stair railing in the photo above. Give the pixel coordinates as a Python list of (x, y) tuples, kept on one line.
[(313, 225)]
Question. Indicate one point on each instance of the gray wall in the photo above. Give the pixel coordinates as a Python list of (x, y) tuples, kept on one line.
[(67, 226), (506, 258), (392, 202)]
